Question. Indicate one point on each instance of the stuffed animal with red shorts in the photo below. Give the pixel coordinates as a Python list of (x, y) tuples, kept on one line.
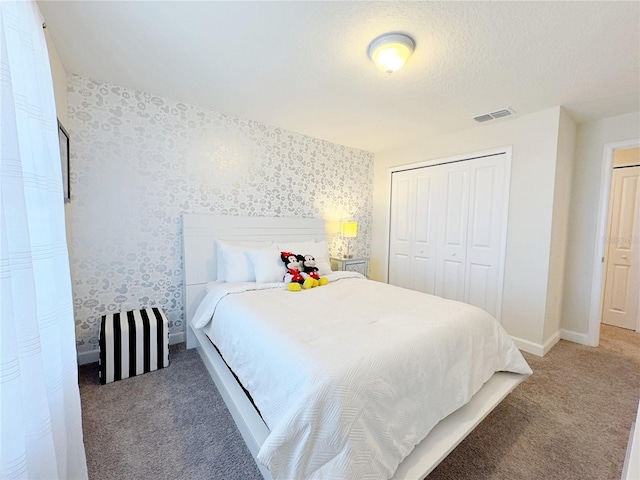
[(310, 270)]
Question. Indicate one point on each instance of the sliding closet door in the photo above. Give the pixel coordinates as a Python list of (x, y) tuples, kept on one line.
[(447, 230)]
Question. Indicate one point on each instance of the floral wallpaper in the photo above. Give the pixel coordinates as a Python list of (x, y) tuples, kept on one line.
[(139, 161)]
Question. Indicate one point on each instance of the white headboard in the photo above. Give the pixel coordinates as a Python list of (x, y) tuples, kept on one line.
[(199, 233)]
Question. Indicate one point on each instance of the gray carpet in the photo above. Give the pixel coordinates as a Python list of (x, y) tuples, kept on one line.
[(570, 420), (167, 424)]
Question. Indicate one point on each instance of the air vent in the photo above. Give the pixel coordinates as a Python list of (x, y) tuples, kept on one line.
[(500, 113), (505, 112), (483, 118)]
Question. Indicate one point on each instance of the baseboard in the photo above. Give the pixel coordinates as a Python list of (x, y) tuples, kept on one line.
[(536, 348), (92, 356), (575, 337), (549, 344), (529, 347), (177, 337)]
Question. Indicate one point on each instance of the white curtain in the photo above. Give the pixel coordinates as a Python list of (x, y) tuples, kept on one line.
[(40, 429)]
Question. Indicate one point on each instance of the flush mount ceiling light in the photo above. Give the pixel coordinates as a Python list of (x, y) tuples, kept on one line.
[(390, 51)]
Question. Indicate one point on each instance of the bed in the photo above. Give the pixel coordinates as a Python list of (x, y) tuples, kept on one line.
[(264, 320)]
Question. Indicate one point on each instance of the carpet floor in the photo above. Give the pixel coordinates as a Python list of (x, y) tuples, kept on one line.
[(570, 420)]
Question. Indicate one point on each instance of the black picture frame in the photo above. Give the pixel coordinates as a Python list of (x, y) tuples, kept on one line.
[(63, 137)]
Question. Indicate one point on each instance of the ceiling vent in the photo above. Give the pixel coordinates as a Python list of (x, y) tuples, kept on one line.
[(483, 118), (505, 112)]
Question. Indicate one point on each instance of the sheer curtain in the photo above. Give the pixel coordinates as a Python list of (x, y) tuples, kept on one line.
[(40, 429)]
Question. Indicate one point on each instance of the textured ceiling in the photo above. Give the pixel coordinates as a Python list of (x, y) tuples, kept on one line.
[(303, 66)]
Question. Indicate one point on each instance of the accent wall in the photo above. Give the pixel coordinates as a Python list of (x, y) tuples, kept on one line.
[(139, 161)]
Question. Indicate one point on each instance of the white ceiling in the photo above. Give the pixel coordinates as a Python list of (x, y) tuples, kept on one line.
[(303, 66)]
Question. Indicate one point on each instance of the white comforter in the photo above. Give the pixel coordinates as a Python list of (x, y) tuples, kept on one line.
[(349, 377)]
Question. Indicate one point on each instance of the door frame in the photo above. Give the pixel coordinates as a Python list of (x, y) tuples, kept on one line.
[(597, 281), (507, 151)]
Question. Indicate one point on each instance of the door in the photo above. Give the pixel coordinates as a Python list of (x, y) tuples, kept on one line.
[(401, 229), (488, 199), (412, 231), (622, 277), (452, 230), (447, 230)]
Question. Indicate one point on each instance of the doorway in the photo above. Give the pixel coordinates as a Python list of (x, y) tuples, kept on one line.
[(597, 279), (621, 292)]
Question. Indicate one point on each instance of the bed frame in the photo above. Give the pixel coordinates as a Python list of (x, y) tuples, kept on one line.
[(199, 233)]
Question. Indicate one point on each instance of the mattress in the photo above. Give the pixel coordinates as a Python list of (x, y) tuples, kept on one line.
[(349, 377)]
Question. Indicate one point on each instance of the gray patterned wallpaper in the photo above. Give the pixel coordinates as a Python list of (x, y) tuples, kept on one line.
[(139, 161)]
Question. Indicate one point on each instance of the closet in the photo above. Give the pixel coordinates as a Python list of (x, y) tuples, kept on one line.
[(447, 230)]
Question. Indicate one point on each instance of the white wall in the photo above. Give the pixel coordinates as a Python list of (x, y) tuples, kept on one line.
[(534, 139), (59, 79), (559, 227), (583, 217)]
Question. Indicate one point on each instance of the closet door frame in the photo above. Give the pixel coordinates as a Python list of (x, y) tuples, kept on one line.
[(507, 152)]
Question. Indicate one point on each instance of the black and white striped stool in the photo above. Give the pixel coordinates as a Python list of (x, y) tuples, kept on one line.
[(132, 343)]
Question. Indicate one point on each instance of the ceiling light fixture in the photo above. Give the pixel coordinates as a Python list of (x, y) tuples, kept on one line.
[(390, 51)]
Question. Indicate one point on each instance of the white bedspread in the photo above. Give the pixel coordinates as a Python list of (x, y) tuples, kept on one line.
[(349, 377)]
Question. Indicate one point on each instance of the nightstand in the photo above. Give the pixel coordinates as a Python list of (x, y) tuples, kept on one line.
[(360, 265)]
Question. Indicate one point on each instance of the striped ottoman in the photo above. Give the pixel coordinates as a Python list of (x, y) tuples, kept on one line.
[(132, 343)]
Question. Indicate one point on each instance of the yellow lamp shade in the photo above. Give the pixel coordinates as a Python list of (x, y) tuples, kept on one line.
[(390, 51), (349, 229)]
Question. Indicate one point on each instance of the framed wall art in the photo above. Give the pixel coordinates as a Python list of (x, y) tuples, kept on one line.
[(63, 137)]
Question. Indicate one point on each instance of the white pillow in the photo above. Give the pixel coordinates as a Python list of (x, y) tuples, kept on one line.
[(233, 263), (299, 248), (321, 253), (317, 249), (267, 265)]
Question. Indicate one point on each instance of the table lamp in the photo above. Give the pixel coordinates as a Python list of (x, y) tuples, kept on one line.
[(349, 230)]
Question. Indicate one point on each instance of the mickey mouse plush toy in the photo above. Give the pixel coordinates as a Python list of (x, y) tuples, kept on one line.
[(309, 268), (293, 278)]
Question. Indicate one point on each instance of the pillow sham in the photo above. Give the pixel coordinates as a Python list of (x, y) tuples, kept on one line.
[(266, 263), (233, 264)]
